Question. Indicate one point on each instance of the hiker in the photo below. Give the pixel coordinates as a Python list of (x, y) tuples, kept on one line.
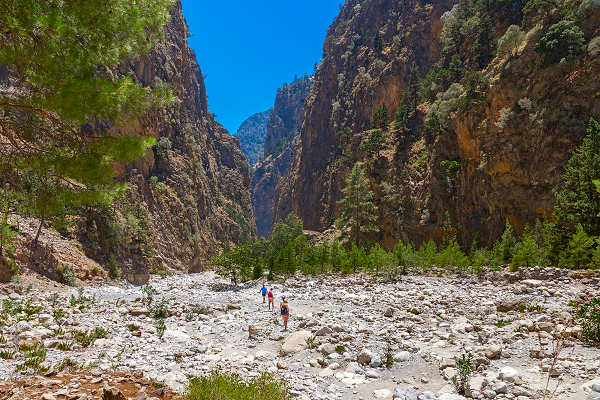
[(271, 299), (285, 312), (263, 291)]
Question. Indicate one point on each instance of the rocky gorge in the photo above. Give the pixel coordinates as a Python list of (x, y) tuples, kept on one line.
[(350, 337)]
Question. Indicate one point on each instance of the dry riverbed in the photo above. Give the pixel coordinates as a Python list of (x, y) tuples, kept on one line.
[(342, 332)]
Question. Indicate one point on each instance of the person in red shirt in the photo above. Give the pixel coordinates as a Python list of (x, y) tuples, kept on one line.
[(271, 299)]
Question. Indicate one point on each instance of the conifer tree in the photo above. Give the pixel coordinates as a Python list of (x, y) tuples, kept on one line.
[(527, 252), (381, 117), (378, 43), (578, 202), (484, 46), (579, 251), (359, 211), (58, 55)]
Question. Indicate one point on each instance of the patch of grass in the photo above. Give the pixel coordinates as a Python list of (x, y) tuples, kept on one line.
[(133, 327), (11, 307), (340, 349), (35, 355), (59, 332), (31, 310), (178, 357), (68, 364), (85, 339), (3, 340), (500, 323), (65, 346), (224, 386), (7, 354)]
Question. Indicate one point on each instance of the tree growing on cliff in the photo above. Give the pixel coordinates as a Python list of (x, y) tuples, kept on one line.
[(381, 117), (562, 40), (484, 45), (61, 95), (578, 201), (378, 42), (359, 211)]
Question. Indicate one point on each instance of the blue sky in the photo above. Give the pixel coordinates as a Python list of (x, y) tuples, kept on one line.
[(249, 48)]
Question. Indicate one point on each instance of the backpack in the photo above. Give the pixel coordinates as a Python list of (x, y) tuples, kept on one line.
[(284, 310)]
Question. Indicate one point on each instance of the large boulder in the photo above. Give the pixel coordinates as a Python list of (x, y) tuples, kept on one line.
[(295, 343)]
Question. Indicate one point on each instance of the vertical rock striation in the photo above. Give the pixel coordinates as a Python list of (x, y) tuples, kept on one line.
[(283, 129), (499, 158), (191, 192)]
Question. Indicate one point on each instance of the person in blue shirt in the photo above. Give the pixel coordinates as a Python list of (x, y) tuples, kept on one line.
[(263, 291)]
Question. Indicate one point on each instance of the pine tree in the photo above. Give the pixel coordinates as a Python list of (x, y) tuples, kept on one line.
[(359, 211), (378, 43), (58, 53), (381, 117), (375, 143), (506, 246), (578, 202), (527, 253), (579, 251), (484, 46)]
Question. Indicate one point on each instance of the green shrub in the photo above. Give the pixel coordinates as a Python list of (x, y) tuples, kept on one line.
[(66, 275), (588, 316), (511, 40), (562, 40), (161, 327), (224, 386), (461, 380)]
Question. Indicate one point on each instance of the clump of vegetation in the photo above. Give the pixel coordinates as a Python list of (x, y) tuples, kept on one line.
[(161, 309), (588, 316), (461, 380), (388, 357), (224, 386), (85, 339), (563, 40), (34, 356), (66, 275)]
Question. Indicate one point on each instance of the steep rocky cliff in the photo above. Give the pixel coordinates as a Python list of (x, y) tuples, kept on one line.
[(479, 136), (283, 129), (252, 134), (188, 197)]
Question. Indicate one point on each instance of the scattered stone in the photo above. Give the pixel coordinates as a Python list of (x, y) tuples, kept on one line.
[(403, 356), (111, 393), (408, 393), (508, 374), (493, 351), (364, 357), (295, 343)]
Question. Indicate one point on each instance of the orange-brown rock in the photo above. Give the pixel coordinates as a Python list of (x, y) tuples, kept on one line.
[(511, 148)]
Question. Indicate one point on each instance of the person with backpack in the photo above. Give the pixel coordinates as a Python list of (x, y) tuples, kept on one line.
[(285, 312), (271, 299), (263, 291)]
